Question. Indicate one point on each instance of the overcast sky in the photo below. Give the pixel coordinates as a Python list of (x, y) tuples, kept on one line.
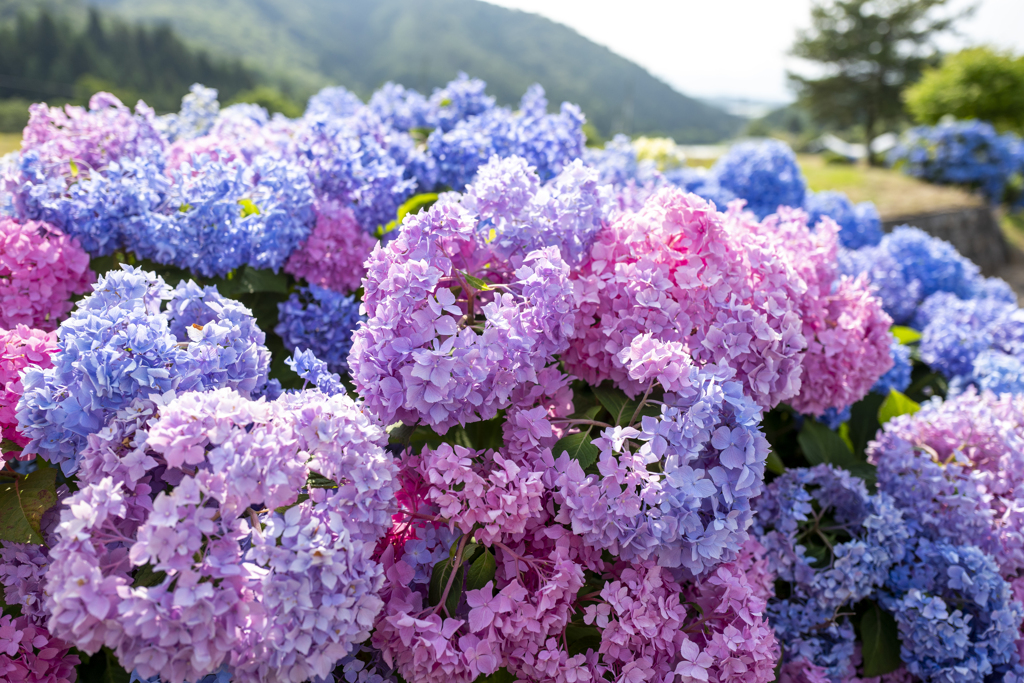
[(731, 48)]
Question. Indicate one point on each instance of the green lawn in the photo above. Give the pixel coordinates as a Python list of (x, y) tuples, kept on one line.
[(894, 193), (9, 142)]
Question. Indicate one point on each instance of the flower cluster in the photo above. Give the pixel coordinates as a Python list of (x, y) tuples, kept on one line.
[(322, 321), (860, 225), (765, 174), (119, 345), (966, 153), (20, 349), (40, 270)]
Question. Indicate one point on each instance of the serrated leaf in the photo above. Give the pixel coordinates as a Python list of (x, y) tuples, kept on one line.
[(880, 642), (23, 502), (481, 570), (896, 404), (774, 463), (580, 448), (476, 283), (438, 581), (905, 335), (821, 445)]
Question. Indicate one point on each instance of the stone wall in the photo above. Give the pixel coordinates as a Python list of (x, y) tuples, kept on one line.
[(974, 232)]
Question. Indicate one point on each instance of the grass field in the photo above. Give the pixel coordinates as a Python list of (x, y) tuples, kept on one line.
[(9, 142)]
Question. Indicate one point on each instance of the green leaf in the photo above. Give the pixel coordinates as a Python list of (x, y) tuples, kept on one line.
[(253, 281), (476, 283), (439, 579), (580, 448), (23, 502), (416, 204), (619, 406), (147, 576), (500, 676), (74, 168), (881, 642), (905, 335), (249, 208), (315, 480), (863, 424), (774, 463), (821, 445), (844, 434), (481, 571), (582, 638), (103, 667), (6, 445), (400, 433), (896, 404)]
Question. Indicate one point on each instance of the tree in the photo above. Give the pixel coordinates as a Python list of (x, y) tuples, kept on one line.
[(978, 83), (871, 50)]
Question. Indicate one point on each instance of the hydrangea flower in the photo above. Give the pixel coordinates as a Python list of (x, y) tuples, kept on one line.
[(765, 174), (333, 255), (30, 654), (322, 321), (40, 270), (955, 469), (678, 489), (679, 271), (859, 224), (20, 348), (118, 345), (957, 619), (443, 346), (548, 142), (280, 595), (314, 371), (898, 376), (199, 109), (967, 153)]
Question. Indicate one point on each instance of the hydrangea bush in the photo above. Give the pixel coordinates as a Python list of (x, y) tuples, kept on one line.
[(422, 390)]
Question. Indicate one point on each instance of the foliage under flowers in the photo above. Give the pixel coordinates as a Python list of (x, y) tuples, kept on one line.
[(571, 423)]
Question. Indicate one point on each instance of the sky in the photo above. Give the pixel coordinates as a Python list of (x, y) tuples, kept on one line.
[(734, 48)]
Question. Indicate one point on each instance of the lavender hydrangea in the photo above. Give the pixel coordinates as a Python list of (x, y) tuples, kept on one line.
[(321, 321), (315, 371), (117, 345)]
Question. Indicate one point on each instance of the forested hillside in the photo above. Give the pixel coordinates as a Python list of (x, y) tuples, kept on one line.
[(424, 43), (43, 56)]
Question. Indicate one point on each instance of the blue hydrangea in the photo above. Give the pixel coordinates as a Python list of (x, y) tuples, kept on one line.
[(333, 102), (359, 161), (956, 331), (701, 183), (616, 163), (222, 676), (833, 417), (763, 173), (402, 108), (547, 141), (199, 109), (812, 634), (314, 371), (117, 346), (860, 224), (995, 371), (898, 376), (321, 321), (966, 153), (458, 101), (106, 211), (957, 620), (801, 509)]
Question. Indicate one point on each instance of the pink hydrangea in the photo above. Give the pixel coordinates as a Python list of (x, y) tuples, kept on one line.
[(673, 270), (216, 149), (845, 327), (41, 268), (334, 254), (19, 348), (29, 654)]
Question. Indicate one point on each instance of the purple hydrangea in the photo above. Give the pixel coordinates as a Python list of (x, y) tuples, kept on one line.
[(321, 321)]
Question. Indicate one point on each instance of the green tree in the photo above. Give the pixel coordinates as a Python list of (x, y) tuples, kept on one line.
[(978, 83), (271, 99), (870, 50)]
